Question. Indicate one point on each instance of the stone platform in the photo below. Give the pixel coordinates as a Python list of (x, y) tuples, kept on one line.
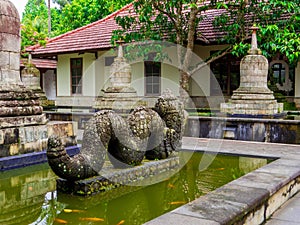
[(112, 178), (27, 139)]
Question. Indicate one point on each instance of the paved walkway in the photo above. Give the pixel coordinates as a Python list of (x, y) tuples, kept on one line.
[(288, 214)]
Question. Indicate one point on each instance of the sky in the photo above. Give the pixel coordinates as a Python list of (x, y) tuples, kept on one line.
[(20, 5)]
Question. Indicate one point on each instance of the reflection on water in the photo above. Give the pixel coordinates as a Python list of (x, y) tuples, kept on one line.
[(22, 193), (28, 196)]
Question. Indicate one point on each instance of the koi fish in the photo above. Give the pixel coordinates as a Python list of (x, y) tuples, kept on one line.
[(170, 185), (73, 210), (121, 222), (60, 221), (94, 219), (220, 169), (177, 203)]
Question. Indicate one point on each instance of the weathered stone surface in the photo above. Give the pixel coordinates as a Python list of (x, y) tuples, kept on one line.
[(253, 97), (8, 9), (14, 61), (211, 208), (120, 71), (15, 99), (22, 139), (175, 219), (119, 96), (145, 132), (111, 178), (9, 42), (7, 122), (31, 78)]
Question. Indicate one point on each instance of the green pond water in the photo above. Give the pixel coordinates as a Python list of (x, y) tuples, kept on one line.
[(28, 195)]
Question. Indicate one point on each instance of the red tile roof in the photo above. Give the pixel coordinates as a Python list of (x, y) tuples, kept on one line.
[(97, 35), (41, 63)]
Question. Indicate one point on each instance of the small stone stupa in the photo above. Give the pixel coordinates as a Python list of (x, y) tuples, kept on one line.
[(253, 98), (31, 78), (119, 96)]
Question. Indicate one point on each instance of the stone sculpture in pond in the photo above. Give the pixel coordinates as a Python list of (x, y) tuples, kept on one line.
[(151, 133)]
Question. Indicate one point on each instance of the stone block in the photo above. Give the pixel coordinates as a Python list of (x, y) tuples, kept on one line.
[(281, 196), (4, 150), (5, 8), (29, 134), (11, 76), (10, 42), (14, 61), (14, 149), (1, 137), (175, 219), (9, 25), (4, 61)]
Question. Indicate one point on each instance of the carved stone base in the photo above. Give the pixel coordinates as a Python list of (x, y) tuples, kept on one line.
[(111, 178), (21, 121), (118, 104)]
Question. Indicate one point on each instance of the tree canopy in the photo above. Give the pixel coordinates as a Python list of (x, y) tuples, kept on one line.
[(279, 23), (176, 21), (34, 27), (69, 15)]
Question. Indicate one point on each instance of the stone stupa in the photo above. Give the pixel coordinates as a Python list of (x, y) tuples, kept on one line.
[(19, 105), (119, 96), (23, 125), (253, 98)]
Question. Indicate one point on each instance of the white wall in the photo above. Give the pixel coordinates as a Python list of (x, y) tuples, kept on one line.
[(200, 82), (64, 77), (96, 75), (49, 84)]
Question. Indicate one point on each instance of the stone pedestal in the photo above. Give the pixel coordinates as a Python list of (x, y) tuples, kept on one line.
[(253, 97)]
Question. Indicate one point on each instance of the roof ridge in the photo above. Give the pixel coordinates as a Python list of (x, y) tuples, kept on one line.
[(31, 48)]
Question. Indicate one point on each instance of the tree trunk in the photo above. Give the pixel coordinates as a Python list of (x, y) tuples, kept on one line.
[(184, 71), (49, 18)]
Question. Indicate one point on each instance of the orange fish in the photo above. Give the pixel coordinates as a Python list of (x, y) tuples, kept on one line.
[(94, 219), (121, 222), (170, 185), (60, 221), (220, 169), (177, 203), (73, 210)]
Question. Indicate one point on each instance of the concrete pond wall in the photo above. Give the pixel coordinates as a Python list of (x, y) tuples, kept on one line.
[(246, 129), (234, 128)]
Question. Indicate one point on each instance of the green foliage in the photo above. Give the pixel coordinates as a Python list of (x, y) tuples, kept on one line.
[(62, 3), (173, 21), (70, 15), (169, 23), (279, 23), (77, 13), (80, 13), (34, 26)]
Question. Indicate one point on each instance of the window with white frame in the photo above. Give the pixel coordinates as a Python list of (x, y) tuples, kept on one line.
[(152, 76), (76, 75)]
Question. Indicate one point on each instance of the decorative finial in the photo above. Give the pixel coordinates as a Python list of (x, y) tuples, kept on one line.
[(254, 49), (120, 42)]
